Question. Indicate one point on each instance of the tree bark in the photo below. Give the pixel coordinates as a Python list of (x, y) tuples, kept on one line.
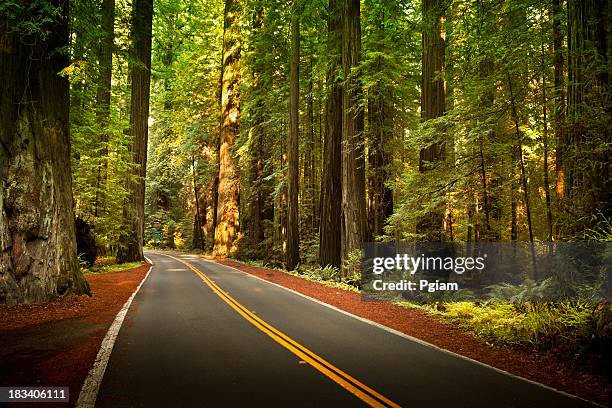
[(140, 75), (257, 149), (586, 160), (331, 185), (549, 218), (228, 207), (293, 237), (309, 162), (353, 161), (38, 255), (198, 227), (433, 102), (380, 196)]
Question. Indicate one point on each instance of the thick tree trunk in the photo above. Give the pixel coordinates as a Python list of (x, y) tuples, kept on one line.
[(586, 161), (38, 258), (140, 75), (353, 161), (331, 186), (433, 102), (293, 234), (228, 207)]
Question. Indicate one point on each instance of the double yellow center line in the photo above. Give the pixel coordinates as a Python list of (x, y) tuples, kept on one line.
[(352, 385)]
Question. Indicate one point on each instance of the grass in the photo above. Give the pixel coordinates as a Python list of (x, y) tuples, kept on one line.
[(108, 264)]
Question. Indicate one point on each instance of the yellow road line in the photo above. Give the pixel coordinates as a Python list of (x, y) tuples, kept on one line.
[(354, 386)]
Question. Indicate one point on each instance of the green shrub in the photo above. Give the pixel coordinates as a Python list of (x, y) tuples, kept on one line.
[(543, 325)]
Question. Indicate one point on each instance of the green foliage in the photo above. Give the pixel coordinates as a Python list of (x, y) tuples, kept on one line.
[(540, 325), (33, 19), (113, 267), (328, 276)]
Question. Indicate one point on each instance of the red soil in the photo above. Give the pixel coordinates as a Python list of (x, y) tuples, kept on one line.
[(546, 369), (55, 343)]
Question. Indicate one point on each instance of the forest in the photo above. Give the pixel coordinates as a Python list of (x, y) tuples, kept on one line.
[(294, 131)]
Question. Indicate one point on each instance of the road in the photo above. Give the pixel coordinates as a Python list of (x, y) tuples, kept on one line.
[(199, 334)]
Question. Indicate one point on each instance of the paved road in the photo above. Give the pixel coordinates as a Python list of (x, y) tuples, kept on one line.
[(239, 341)]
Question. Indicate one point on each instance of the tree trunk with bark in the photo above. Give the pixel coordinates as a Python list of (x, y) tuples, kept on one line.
[(353, 161), (331, 185), (380, 195), (293, 234), (586, 161), (433, 103), (38, 255), (228, 207), (140, 74)]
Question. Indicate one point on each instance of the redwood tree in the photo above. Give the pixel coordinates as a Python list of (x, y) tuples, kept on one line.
[(140, 74), (293, 243), (353, 162), (433, 102), (38, 258), (331, 187), (228, 222)]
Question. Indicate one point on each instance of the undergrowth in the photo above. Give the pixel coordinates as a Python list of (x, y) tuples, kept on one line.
[(108, 264), (569, 329), (328, 275)]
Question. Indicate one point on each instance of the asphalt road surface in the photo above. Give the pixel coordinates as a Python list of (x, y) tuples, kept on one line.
[(199, 334)]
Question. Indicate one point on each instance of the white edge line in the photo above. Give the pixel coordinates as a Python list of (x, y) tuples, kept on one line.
[(408, 337), (91, 385)]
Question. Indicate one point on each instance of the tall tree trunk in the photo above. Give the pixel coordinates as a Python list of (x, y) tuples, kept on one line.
[(103, 95), (353, 161), (308, 192), (293, 234), (588, 136), (228, 206), (38, 255), (433, 102), (331, 185), (257, 148), (215, 184), (559, 97), (490, 180), (198, 228), (519, 150), (140, 75), (549, 219)]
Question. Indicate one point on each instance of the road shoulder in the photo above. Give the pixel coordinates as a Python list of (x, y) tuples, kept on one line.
[(55, 343)]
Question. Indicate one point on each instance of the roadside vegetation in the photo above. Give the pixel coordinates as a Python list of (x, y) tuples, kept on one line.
[(108, 264)]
